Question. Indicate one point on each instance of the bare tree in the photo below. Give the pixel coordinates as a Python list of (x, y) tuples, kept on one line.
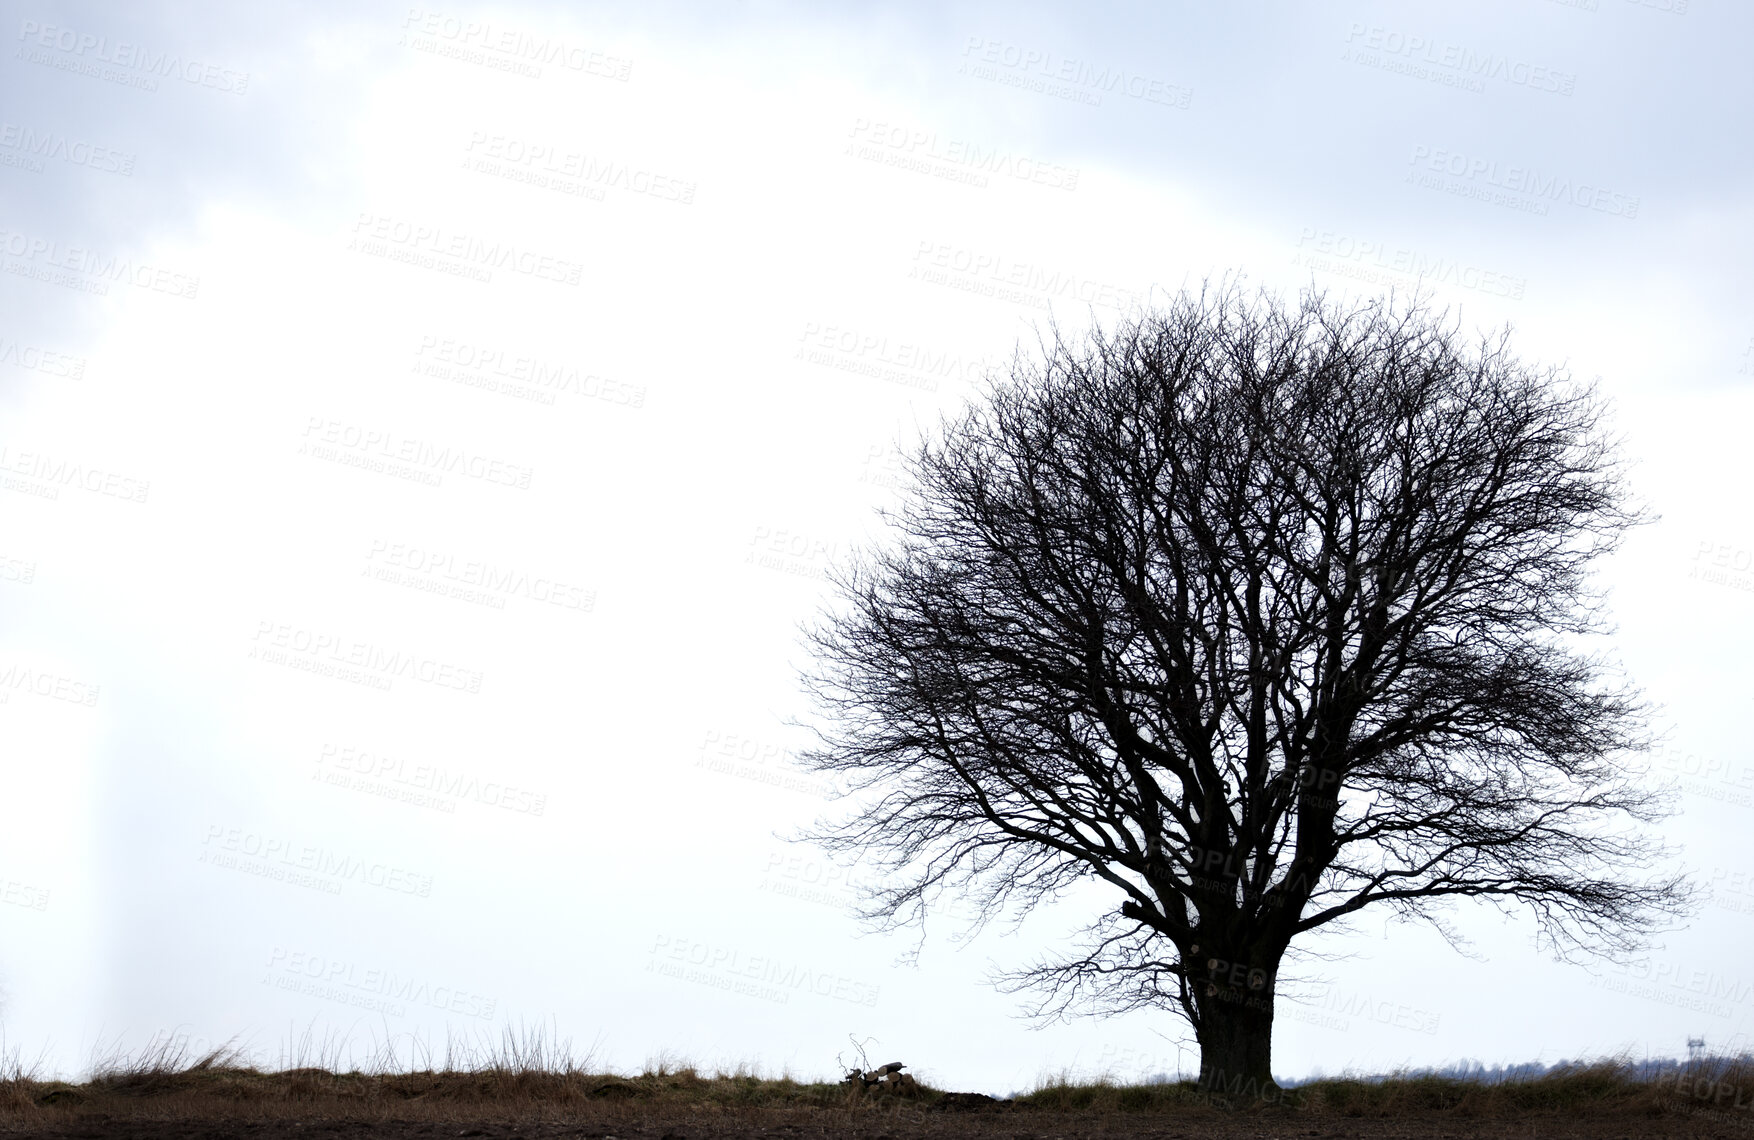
[(1259, 613)]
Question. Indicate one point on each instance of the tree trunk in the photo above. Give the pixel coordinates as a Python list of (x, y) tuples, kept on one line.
[(1236, 1043)]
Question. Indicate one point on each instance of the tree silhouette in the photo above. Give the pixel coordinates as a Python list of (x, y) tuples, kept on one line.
[(1259, 613)]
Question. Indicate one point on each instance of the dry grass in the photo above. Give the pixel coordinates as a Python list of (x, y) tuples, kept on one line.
[(522, 1073), (1603, 1087), (17, 1080), (1610, 1087), (532, 1075)]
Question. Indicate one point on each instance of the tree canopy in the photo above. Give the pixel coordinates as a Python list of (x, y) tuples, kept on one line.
[(1259, 613)]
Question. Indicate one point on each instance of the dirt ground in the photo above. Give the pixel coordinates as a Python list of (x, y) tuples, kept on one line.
[(897, 1123)]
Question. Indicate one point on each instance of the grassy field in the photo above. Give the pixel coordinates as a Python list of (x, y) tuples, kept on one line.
[(527, 1087)]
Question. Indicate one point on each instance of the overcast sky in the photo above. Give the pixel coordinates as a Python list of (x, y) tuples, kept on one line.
[(423, 430)]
